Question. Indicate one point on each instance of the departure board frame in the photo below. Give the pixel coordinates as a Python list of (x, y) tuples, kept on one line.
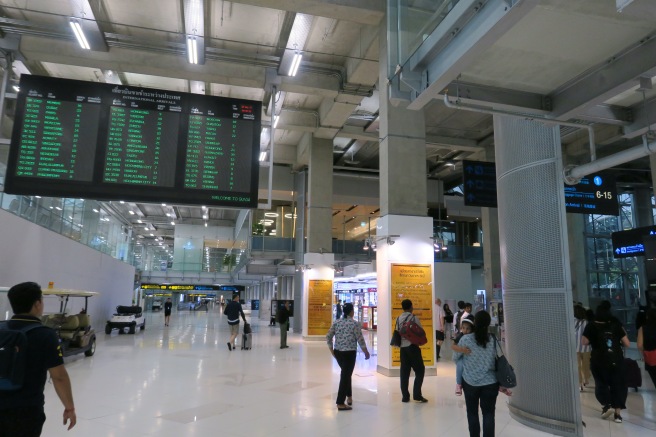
[(113, 142)]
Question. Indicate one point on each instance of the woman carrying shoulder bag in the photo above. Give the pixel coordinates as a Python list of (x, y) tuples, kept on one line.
[(479, 381), (647, 343)]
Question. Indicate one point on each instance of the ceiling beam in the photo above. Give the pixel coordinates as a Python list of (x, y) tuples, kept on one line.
[(488, 24), (618, 74), (644, 119), (357, 11)]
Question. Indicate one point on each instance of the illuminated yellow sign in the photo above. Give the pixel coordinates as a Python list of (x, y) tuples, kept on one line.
[(414, 282), (320, 307)]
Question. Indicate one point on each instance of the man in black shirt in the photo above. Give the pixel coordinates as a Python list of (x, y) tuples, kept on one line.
[(168, 305), (283, 320), (233, 311), (21, 411)]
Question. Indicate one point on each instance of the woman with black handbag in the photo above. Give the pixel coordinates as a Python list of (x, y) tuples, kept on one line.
[(479, 381)]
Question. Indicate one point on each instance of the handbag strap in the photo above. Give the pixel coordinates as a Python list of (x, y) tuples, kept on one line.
[(497, 345), (406, 319)]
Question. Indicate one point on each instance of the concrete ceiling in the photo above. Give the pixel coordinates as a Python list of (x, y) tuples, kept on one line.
[(546, 56)]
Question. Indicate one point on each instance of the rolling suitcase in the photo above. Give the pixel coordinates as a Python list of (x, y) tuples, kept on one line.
[(632, 372), (246, 341)]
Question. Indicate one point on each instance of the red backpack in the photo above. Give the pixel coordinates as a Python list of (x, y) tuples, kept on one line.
[(412, 332)]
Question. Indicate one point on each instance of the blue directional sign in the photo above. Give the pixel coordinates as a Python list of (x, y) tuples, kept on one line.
[(629, 243), (594, 194), (480, 183)]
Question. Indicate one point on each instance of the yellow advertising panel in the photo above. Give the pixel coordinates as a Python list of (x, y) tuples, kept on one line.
[(320, 307), (414, 282)]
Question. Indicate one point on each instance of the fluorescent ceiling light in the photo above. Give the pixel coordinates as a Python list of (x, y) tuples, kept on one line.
[(81, 39), (276, 119), (16, 88), (262, 156), (173, 223), (192, 50), (131, 212), (296, 62), (95, 210)]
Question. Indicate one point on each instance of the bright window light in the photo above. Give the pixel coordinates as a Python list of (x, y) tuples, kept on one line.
[(81, 39), (296, 62)]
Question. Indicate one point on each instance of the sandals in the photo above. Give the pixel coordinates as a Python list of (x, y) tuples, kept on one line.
[(343, 408)]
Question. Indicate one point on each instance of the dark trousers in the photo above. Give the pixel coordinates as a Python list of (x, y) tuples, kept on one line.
[(284, 327), (486, 396), (22, 422), (411, 359), (651, 370), (610, 385), (346, 361)]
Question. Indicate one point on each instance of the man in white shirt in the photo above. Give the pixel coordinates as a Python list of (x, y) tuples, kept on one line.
[(439, 327)]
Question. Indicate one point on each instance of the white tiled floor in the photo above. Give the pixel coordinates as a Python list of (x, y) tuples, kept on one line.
[(183, 381)]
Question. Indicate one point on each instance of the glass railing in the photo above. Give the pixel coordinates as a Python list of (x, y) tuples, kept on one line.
[(460, 254), (416, 21), (80, 220)]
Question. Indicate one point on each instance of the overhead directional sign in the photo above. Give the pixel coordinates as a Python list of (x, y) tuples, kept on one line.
[(480, 183), (594, 194), (630, 243)]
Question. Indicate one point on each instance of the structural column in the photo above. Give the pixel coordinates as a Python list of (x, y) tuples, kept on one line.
[(644, 216), (403, 209), (318, 258), (535, 272)]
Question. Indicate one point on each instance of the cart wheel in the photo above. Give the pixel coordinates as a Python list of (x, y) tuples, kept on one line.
[(132, 328), (108, 329), (92, 350), (143, 326)]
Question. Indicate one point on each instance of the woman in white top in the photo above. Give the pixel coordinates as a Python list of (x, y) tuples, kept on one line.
[(582, 351), (347, 334)]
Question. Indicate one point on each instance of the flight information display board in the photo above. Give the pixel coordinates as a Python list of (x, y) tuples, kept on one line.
[(108, 142)]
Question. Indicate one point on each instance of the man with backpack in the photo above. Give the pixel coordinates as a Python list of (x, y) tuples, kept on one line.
[(410, 357), (606, 336), (28, 351)]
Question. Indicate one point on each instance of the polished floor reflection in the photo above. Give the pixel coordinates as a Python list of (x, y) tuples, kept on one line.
[(183, 381)]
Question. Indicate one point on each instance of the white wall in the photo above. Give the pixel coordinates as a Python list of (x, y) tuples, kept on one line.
[(454, 281), (31, 253)]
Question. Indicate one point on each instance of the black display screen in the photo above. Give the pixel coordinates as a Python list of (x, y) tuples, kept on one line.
[(631, 242), (108, 142)]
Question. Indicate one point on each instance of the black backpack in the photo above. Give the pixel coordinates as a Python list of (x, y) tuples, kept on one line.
[(612, 354), (13, 355)]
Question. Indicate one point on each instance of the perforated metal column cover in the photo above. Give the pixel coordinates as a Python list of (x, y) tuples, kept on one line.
[(537, 291)]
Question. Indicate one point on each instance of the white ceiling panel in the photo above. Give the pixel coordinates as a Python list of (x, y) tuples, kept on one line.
[(141, 15), (164, 83), (73, 72), (302, 101), (551, 46), (237, 92), (329, 36), (250, 24), (58, 7)]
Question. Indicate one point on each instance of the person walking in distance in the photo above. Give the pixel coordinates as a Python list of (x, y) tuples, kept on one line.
[(607, 336), (582, 351), (439, 327), (283, 320), (347, 334), (232, 311), (21, 411), (411, 358), (338, 310), (168, 305)]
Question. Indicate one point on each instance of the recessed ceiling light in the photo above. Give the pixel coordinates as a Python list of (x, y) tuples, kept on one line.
[(95, 210), (139, 221), (173, 223), (121, 201), (131, 212), (152, 235)]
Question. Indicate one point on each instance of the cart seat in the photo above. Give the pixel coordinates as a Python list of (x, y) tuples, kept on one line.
[(69, 327)]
